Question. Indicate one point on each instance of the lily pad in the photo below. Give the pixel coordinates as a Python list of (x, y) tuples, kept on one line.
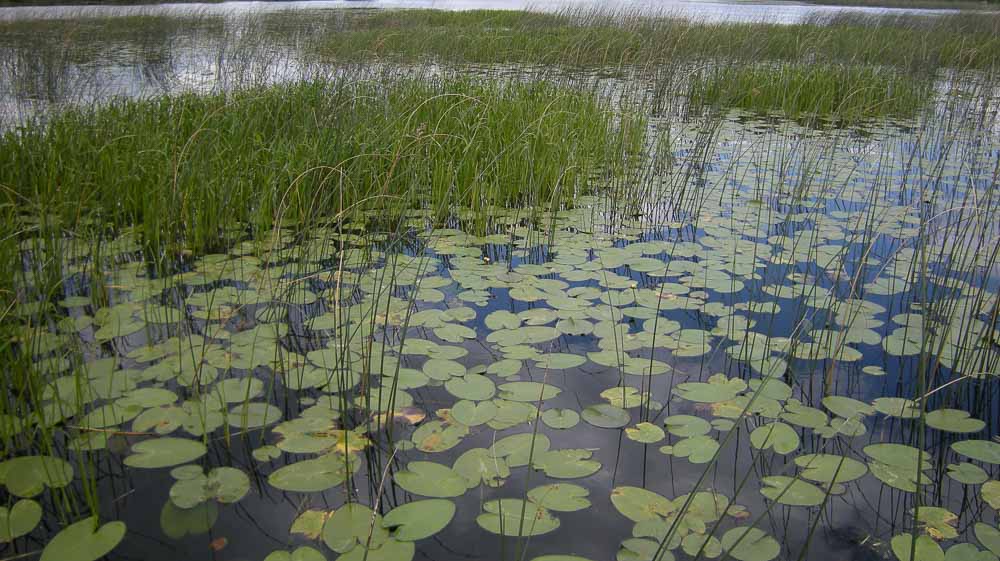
[(164, 452), (516, 517), (982, 450), (27, 476), (431, 480), (750, 544), (419, 519), (560, 497), (85, 540), (19, 519), (606, 416), (560, 418)]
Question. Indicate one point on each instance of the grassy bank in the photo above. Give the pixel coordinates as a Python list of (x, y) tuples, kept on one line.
[(600, 39), (192, 171)]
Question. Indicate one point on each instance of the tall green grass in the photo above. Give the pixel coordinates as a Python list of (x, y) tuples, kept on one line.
[(840, 92), (194, 171), (594, 38)]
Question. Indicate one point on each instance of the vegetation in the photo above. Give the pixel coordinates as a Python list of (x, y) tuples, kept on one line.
[(329, 279)]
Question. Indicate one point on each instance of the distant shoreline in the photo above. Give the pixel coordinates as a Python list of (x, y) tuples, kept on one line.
[(902, 4)]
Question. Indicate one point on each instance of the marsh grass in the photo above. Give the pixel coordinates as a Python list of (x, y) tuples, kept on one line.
[(188, 169), (846, 93), (606, 39)]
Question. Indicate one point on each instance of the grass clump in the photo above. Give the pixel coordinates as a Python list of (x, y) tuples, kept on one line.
[(589, 38), (840, 92), (193, 171)]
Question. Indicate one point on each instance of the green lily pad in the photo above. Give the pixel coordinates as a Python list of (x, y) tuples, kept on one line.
[(750, 544), (646, 433), (926, 548), (982, 450), (830, 468), (164, 452), (897, 407), (85, 540), (697, 449), (315, 475), (606, 416), (953, 420), (560, 497), (223, 484), (777, 436), (991, 494), (569, 463), (304, 553), (560, 418), (790, 491), (478, 465), (472, 414), (939, 522), (897, 465), (19, 519), (352, 525), (390, 550), (638, 504), (419, 519), (474, 387), (516, 517), (438, 436), (431, 480), (967, 473), (528, 391), (686, 425), (28, 476), (989, 537)]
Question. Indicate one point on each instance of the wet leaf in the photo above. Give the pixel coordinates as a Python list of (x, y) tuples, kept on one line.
[(777, 436), (19, 519), (431, 480), (516, 517), (419, 519), (560, 497), (606, 416), (646, 433), (750, 544), (790, 491), (85, 540), (560, 418), (926, 548), (164, 452), (353, 524), (982, 450), (28, 476)]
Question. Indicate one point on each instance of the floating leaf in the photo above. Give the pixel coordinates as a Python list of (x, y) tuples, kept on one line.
[(750, 544), (566, 464), (790, 491), (351, 525), (304, 553), (897, 407), (991, 493), (830, 468), (897, 465), (419, 519), (164, 452), (939, 522), (697, 449), (777, 435), (528, 391), (646, 433), (989, 537), (969, 474), (926, 548), (223, 484), (982, 450), (19, 519), (315, 475), (478, 465), (310, 523), (605, 415), (686, 425), (27, 476), (560, 418), (560, 497), (431, 480), (516, 517), (85, 540), (638, 504), (953, 420)]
